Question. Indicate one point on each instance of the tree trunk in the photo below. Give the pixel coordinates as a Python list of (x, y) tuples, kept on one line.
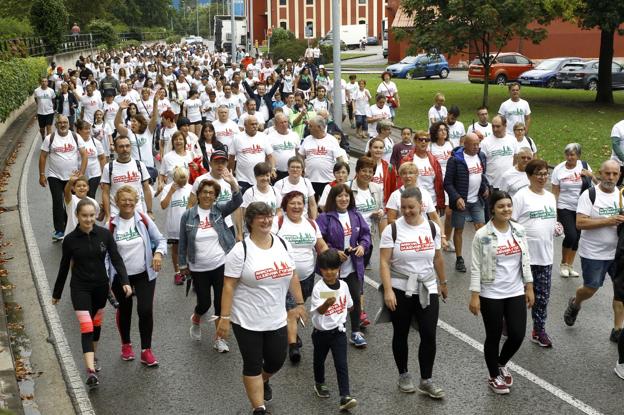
[(604, 94), (486, 82)]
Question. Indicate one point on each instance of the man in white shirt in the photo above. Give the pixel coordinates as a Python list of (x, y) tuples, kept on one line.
[(225, 128), (285, 144), (231, 102), (598, 216), (617, 147), (377, 112), (44, 98), (456, 130), (515, 109), (499, 150), (248, 149), (482, 127)]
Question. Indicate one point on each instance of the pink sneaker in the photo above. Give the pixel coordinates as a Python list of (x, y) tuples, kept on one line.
[(148, 359), (178, 279), (364, 321), (127, 353)]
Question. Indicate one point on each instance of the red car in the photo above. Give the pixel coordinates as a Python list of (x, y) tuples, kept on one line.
[(508, 66)]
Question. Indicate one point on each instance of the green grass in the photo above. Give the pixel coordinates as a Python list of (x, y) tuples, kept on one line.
[(558, 116), (354, 55)]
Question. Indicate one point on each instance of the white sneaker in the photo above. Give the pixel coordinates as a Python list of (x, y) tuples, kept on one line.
[(451, 247), (195, 330), (564, 270), (573, 273), (619, 369), (221, 346)]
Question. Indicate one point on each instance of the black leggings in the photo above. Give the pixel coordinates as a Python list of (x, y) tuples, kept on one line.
[(571, 234), (356, 291), (144, 289), (94, 182), (514, 311), (262, 351), (427, 318), (202, 281), (89, 305), (57, 190), (318, 189)]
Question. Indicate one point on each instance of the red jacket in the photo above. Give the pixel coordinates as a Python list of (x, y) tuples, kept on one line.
[(389, 179), (438, 181)]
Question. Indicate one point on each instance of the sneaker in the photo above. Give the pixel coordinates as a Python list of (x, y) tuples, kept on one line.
[(364, 321), (405, 383), (541, 338), (221, 345), (322, 391), (261, 411), (96, 364), (178, 279), (294, 354), (127, 353), (615, 335), (498, 386), (148, 358), (506, 375), (92, 379), (569, 316), (57, 236), (357, 339), (564, 270), (347, 402), (573, 273), (619, 369), (427, 387), (459, 264), (195, 329), (450, 247), (299, 342), (268, 392)]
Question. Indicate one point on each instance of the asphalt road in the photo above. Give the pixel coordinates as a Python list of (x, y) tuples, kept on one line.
[(576, 376)]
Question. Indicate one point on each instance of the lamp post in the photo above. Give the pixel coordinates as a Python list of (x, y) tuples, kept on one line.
[(336, 58)]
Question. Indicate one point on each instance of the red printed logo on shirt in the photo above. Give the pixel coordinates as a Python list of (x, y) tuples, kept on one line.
[(477, 169), (225, 133), (423, 244), (90, 152), (347, 230), (572, 178), (445, 155), (512, 248), (427, 171), (66, 148), (130, 177), (318, 151), (254, 149), (205, 224), (283, 270), (338, 307)]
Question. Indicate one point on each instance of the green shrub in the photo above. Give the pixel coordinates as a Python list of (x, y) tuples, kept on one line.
[(173, 39), (327, 53), (49, 20), (292, 49), (281, 35), (128, 44), (18, 80), (11, 28), (105, 30)]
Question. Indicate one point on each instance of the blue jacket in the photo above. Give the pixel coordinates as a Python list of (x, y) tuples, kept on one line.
[(457, 177), (333, 234), (267, 97), (190, 221)]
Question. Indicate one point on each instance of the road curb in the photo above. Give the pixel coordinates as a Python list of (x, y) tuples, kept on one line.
[(71, 375)]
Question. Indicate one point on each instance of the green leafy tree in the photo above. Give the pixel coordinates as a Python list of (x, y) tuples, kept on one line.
[(607, 15), (105, 30), (453, 26), (281, 35), (49, 20)]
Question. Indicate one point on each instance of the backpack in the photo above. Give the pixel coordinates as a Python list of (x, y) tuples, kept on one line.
[(245, 247), (73, 134), (393, 228), (111, 228), (110, 170), (586, 183)]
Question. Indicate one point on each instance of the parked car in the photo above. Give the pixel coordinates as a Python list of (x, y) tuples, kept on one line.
[(585, 75), (372, 41), (545, 73), (421, 66), (193, 39), (506, 67)]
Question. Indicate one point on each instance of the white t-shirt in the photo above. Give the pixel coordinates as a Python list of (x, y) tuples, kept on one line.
[(320, 105), (475, 172), (94, 150), (570, 183), (146, 108), (130, 246), (89, 105), (110, 111), (514, 180), (63, 156), (209, 109), (618, 131), (456, 132), (183, 89), (351, 88), (142, 147), (426, 174), (177, 206), (366, 204), (249, 151), (125, 174), (193, 109), (302, 236), (271, 197), (538, 214), (336, 315), (599, 243), (526, 144), (361, 100), (514, 112), (225, 195), (388, 89), (485, 130), (225, 132), (427, 206), (508, 278), (442, 153), (284, 186), (264, 276), (232, 103), (326, 191), (171, 160), (388, 146), (165, 135), (412, 251), (320, 155), (70, 209), (437, 114), (284, 147), (499, 154), (346, 267), (374, 111), (210, 255), (45, 100)]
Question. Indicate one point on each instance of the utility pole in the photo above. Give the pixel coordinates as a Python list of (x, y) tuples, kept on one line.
[(336, 57), (233, 43)]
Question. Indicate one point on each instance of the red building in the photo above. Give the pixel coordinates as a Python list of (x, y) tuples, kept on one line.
[(315, 15)]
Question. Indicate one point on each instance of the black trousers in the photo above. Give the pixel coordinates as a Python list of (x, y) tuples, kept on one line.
[(94, 182), (202, 282), (57, 190), (318, 189), (144, 292), (89, 305), (571, 233), (261, 350), (355, 289), (336, 341)]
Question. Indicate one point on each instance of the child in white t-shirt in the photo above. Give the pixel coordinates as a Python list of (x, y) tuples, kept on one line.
[(76, 189), (330, 305)]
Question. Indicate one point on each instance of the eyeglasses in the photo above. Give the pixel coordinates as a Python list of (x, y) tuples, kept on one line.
[(545, 174), (518, 129), (423, 140)]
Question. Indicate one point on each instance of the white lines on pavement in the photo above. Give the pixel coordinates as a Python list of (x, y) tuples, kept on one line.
[(548, 387)]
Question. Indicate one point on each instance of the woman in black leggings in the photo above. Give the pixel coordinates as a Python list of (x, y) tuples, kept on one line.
[(501, 287), (87, 246)]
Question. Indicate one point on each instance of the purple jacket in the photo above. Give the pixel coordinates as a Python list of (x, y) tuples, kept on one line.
[(333, 234)]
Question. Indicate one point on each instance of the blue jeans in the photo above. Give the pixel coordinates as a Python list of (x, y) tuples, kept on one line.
[(594, 271), (336, 341), (472, 210)]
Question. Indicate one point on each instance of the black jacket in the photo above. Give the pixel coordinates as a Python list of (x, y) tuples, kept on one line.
[(267, 97), (59, 101)]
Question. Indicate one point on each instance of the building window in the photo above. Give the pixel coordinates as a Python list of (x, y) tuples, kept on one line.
[(284, 25), (282, 2), (362, 21), (361, 2), (309, 2), (309, 29)]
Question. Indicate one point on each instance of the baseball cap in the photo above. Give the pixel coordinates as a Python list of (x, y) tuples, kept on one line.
[(183, 121), (218, 155)]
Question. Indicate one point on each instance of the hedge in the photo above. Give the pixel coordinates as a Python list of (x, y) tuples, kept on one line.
[(18, 79)]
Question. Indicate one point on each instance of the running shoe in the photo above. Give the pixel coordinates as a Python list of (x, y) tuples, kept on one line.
[(615, 335), (498, 386), (127, 353), (347, 402), (261, 411), (221, 345), (541, 338), (405, 383), (427, 387), (564, 270), (96, 364), (460, 266), (573, 273), (294, 354), (268, 392), (619, 369), (450, 247), (322, 391), (506, 375), (364, 321), (195, 330), (92, 379), (178, 279), (569, 316), (57, 236), (357, 339), (148, 358)]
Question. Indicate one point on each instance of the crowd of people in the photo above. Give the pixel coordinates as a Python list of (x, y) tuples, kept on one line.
[(253, 176)]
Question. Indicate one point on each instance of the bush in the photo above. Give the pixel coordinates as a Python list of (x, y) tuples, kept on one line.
[(128, 44), (173, 39), (327, 53), (11, 28), (49, 20), (281, 35), (18, 80), (293, 49), (105, 30)]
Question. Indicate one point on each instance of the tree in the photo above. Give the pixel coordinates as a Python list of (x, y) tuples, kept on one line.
[(106, 31), (607, 15), (453, 26), (50, 21)]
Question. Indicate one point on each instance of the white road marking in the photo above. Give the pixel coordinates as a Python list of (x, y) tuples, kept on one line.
[(547, 386)]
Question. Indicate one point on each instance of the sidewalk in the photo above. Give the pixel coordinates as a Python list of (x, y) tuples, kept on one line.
[(357, 145)]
